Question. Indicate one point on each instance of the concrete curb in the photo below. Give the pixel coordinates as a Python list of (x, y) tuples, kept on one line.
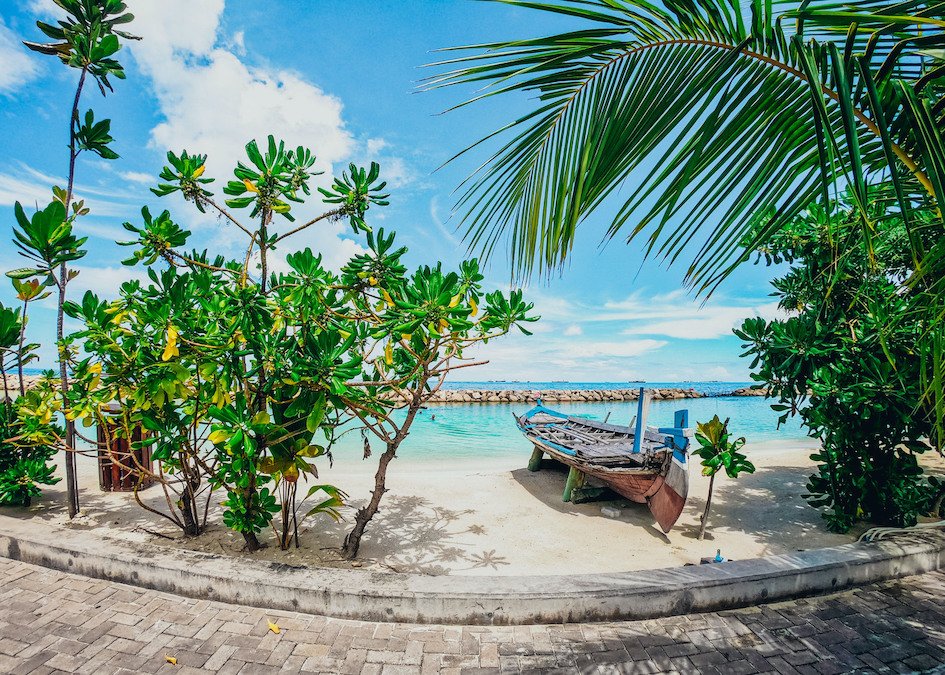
[(413, 598)]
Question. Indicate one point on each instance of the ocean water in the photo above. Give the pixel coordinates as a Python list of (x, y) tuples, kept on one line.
[(469, 431), (487, 430)]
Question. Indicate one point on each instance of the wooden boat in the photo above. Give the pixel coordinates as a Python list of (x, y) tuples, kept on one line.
[(644, 464)]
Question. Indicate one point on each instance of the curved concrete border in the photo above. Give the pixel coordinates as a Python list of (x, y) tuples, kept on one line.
[(376, 596)]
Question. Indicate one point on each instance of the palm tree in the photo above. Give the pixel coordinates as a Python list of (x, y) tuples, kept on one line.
[(709, 123)]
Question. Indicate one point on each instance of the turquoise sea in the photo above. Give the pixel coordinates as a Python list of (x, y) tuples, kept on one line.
[(487, 430)]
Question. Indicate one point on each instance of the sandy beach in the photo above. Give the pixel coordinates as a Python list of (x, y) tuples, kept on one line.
[(461, 517)]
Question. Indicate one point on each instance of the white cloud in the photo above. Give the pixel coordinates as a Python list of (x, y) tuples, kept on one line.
[(33, 188), (15, 188), (444, 229), (138, 177), (375, 145), (213, 102), (45, 8), (674, 314), (550, 357), (18, 67), (690, 321), (237, 43), (394, 169), (104, 281)]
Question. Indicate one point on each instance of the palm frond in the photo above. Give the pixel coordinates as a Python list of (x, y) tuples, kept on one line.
[(707, 116)]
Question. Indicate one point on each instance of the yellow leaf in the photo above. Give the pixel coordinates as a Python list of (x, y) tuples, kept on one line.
[(475, 307), (218, 436), (407, 336), (274, 628), (170, 349), (455, 300), (389, 300), (389, 354), (250, 186), (95, 368), (221, 397), (444, 324), (261, 418), (199, 172), (170, 659), (372, 281)]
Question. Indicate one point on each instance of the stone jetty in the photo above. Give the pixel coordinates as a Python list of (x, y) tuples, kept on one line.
[(573, 395), (748, 391), (554, 395)]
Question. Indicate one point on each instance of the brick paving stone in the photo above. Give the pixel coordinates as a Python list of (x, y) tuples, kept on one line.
[(51, 622)]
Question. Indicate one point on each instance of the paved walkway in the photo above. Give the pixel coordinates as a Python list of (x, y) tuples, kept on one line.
[(52, 622)]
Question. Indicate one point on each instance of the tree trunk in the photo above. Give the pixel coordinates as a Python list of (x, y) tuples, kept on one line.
[(364, 515), (708, 505), (72, 481), (252, 543), (189, 512), (352, 543), (19, 356)]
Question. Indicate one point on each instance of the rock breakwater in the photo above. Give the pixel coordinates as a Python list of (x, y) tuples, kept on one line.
[(554, 395), (575, 395)]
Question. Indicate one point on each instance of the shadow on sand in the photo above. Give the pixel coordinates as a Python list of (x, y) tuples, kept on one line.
[(768, 505)]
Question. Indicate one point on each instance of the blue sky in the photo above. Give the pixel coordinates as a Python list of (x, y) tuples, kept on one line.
[(341, 77)]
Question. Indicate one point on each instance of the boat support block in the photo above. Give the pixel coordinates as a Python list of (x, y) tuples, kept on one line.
[(534, 464), (575, 480)]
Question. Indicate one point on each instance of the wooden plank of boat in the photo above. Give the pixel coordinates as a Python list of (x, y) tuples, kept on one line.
[(667, 503), (655, 471)]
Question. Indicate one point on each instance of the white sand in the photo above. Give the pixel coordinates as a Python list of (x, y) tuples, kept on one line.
[(466, 518)]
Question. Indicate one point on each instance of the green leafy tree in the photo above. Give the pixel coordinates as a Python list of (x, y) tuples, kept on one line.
[(421, 324), (846, 362), (11, 325), (27, 292), (86, 39), (245, 377), (28, 433), (718, 453)]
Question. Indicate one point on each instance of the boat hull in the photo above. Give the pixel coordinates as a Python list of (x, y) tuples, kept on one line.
[(664, 491), (668, 502)]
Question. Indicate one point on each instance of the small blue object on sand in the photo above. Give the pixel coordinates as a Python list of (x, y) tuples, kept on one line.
[(717, 559)]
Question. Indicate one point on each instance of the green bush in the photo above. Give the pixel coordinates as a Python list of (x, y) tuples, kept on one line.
[(243, 376), (846, 361)]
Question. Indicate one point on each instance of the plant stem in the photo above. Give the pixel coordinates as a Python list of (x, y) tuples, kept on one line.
[(352, 543), (6, 386), (708, 505), (19, 359), (72, 484)]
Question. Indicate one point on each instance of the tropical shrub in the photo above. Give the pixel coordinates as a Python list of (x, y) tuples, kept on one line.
[(846, 362), (86, 39), (719, 453), (29, 437), (243, 376)]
